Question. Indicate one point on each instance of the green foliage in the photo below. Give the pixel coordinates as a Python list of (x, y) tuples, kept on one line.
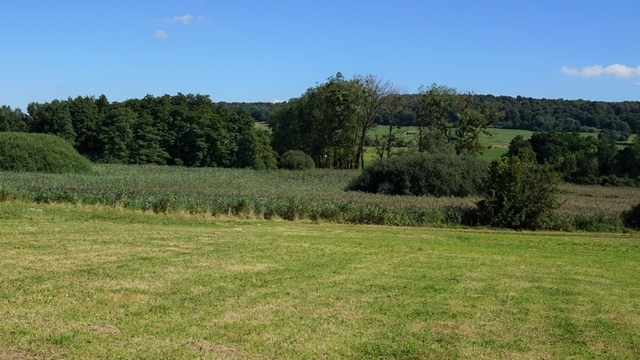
[(522, 149), (545, 114), (183, 129), (321, 123), (116, 135), (581, 159), (374, 97), (627, 160), (259, 111), (12, 120), (266, 158), (632, 217), (423, 174), (448, 117), (571, 155), (39, 152), (52, 118), (566, 115), (436, 108), (472, 120), (613, 135), (518, 195), (296, 160)]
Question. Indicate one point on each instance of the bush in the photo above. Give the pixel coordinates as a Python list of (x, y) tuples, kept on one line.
[(423, 174), (518, 195), (296, 160), (40, 152), (631, 218)]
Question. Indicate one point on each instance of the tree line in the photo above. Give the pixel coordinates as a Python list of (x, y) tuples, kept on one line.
[(579, 159), (329, 122), (619, 119), (187, 130)]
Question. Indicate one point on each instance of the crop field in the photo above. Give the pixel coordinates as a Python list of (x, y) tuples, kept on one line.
[(316, 195), (80, 281)]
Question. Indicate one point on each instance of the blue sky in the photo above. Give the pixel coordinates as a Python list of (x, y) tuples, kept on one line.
[(245, 50)]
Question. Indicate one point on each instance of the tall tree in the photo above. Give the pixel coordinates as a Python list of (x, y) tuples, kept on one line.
[(266, 158), (374, 95), (85, 118), (12, 120), (243, 139), (322, 123), (447, 117), (52, 118), (471, 120), (384, 144), (116, 135), (436, 108)]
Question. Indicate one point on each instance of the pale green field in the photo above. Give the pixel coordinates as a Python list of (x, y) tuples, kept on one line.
[(81, 282), (496, 145)]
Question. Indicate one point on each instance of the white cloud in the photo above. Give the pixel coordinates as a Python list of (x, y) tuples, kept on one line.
[(618, 70), (184, 20), (638, 83), (161, 35)]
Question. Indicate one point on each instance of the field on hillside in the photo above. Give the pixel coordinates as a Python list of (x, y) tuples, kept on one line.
[(495, 145), (80, 282), (316, 195)]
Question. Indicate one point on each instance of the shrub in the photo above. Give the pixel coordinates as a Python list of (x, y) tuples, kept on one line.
[(423, 174), (632, 218), (518, 195), (40, 152), (295, 160)]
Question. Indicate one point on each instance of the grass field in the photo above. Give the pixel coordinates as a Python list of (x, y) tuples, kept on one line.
[(79, 282), (495, 145)]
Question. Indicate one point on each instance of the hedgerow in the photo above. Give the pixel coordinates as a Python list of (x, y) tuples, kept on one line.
[(423, 174)]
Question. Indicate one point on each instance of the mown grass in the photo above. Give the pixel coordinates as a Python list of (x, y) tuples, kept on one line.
[(79, 282), (314, 195)]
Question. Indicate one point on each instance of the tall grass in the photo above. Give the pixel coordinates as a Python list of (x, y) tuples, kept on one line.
[(314, 195)]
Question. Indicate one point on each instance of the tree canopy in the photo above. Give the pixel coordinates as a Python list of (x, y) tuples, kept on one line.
[(187, 130), (322, 123)]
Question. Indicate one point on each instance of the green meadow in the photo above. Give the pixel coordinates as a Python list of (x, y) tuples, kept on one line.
[(495, 145), (80, 281)]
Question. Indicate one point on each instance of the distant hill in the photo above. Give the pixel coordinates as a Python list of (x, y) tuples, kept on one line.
[(515, 113)]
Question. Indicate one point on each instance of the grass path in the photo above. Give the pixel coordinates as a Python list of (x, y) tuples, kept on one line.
[(89, 282)]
